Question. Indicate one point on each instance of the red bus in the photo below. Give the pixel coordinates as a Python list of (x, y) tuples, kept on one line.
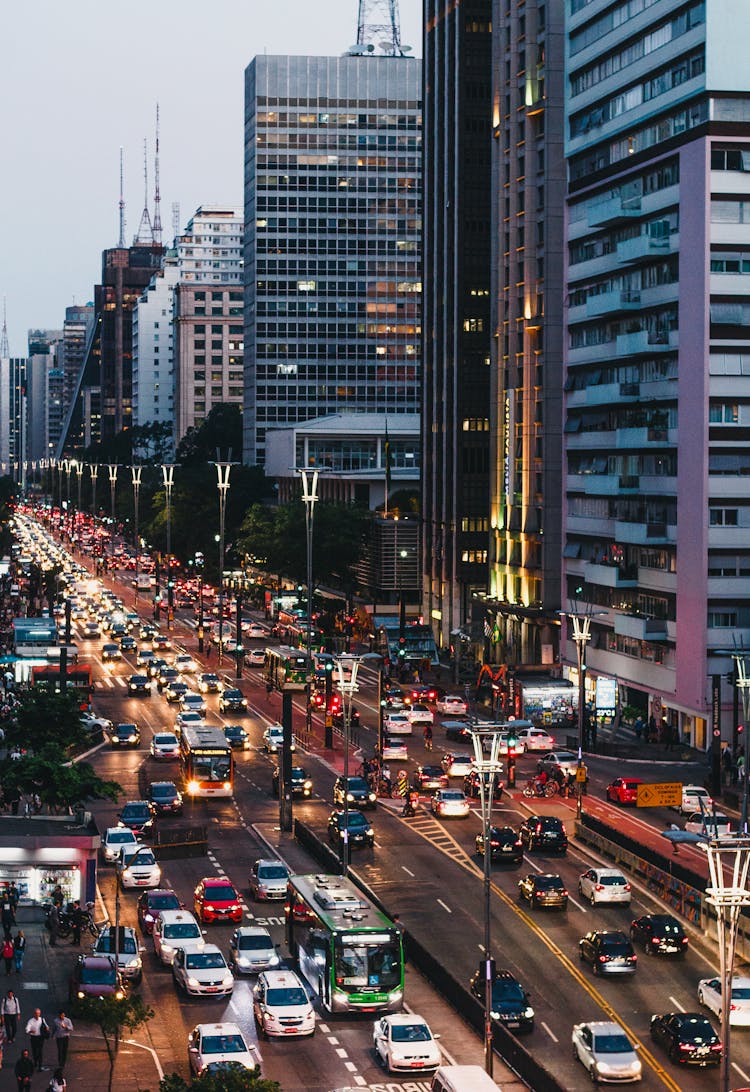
[(78, 677)]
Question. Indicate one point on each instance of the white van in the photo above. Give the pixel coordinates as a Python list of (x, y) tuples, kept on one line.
[(462, 1078)]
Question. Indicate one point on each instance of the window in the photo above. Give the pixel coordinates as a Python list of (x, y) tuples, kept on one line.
[(723, 517), (722, 619), (727, 413)]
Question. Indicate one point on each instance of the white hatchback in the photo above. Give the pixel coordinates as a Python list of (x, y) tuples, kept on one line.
[(536, 739), (604, 885), (165, 745), (212, 1045), (204, 973), (605, 1052), (709, 994), (115, 838), (403, 1042), (451, 705), (397, 724), (281, 1006), (692, 798)]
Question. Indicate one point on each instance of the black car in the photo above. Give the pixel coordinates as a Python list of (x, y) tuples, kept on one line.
[(430, 778), (360, 831), (232, 701), (208, 683), (125, 735), (505, 845), (659, 934), (237, 736), (510, 1002), (174, 692), (128, 644), (545, 889), (687, 1037), (139, 684), (165, 798), (155, 665), (357, 793), (472, 785), (301, 784), (138, 815), (544, 832), (166, 676), (608, 952), (337, 716), (457, 731)]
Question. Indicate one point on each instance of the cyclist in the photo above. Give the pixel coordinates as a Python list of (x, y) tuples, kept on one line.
[(541, 782), (428, 737)]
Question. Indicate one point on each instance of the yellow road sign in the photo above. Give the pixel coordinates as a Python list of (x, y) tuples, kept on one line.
[(668, 794)]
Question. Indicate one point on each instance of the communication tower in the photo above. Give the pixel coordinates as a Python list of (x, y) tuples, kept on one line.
[(378, 25)]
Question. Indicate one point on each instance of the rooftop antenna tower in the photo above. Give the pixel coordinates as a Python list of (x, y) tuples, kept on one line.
[(4, 346), (175, 221), (157, 195), (379, 25), (121, 242), (145, 236)]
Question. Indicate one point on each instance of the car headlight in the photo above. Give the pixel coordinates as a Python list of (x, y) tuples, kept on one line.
[(149, 917), (119, 995), (133, 963), (274, 961), (227, 980), (81, 994), (242, 961), (308, 784), (350, 797), (372, 797), (528, 1013), (193, 983)]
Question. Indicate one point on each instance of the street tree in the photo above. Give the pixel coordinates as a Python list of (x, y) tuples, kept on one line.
[(60, 784), (46, 716), (113, 1015), (228, 1080)]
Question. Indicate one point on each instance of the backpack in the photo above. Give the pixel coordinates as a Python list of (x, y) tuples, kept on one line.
[(8, 950)]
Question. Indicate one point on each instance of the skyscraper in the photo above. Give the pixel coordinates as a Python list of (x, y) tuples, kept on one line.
[(658, 346), (79, 320), (332, 239)]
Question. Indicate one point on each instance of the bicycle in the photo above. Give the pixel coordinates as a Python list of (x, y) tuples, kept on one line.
[(534, 789)]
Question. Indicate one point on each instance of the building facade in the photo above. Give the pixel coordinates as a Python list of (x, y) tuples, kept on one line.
[(657, 134), (457, 283), (332, 240), (526, 423), (153, 355), (77, 327)]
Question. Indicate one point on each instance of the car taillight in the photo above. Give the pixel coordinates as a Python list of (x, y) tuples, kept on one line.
[(518, 844), (715, 1046), (656, 940), (627, 886), (494, 843), (684, 940), (732, 1008), (686, 1046), (600, 887), (603, 958), (564, 891)]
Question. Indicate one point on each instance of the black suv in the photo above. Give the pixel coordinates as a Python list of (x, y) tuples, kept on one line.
[(659, 934), (138, 815), (232, 701), (510, 1002), (301, 784), (608, 952), (357, 793), (546, 889), (125, 735), (360, 831), (688, 1038), (544, 832), (165, 798), (505, 845)]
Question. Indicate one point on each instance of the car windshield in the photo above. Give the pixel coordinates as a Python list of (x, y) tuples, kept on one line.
[(182, 930), (355, 820), (197, 961), (120, 837), (232, 694), (106, 944), (165, 740), (432, 771), (506, 990), (740, 993), (163, 902), (298, 773), (286, 995), (98, 976), (254, 943), (410, 1033), (612, 1043), (135, 811), (223, 1044), (272, 872), (165, 791), (224, 893), (452, 796), (125, 729), (358, 784), (140, 857), (616, 947)]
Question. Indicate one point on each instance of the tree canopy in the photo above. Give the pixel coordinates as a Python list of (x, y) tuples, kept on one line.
[(229, 1080), (112, 1015)]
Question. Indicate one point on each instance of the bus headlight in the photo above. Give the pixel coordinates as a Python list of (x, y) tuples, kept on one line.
[(227, 784), (192, 787)]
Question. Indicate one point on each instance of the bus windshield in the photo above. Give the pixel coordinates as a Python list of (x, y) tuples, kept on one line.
[(367, 965), (211, 767)]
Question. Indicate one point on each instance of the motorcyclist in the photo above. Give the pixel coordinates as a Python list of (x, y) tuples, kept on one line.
[(428, 737), (411, 803)]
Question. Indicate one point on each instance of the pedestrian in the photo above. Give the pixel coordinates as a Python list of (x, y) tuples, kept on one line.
[(740, 768), (58, 1082), (13, 895), (269, 690), (638, 726), (37, 1030), (76, 918), (10, 1009), (7, 917), (19, 950), (651, 734), (24, 1071), (208, 651), (726, 763), (62, 1029), (8, 953), (58, 898), (53, 924)]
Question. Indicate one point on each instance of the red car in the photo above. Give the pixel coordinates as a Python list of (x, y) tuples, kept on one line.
[(150, 905), (623, 790), (216, 899)]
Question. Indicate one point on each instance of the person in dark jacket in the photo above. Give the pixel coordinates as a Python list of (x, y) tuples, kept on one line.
[(24, 1071)]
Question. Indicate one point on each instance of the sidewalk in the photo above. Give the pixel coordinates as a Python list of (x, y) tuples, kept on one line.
[(44, 984)]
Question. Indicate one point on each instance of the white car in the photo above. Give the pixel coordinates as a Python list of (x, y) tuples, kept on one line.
[(452, 705), (91, 630), (451, 803), (96, 724), (420, 714), (129, 951), (202, 974), (281, 1006), (138, 867), (165, 745), (605, 1052), (709, 994), (718, 825), (256, 657), (251, 950), (457, 765), (567, 761), (273, 739), (175, 929), (185, 664), (692, 797), (193, 703), (535, 739), (113, 841), (397, 724), (604, 885), (403, 1042), (394, 749), (212, 1044), (187, 718), (254, 630)]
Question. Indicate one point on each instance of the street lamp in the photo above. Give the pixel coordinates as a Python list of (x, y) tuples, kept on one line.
[(347, 668), (136, 472), (167, 471), (486, 741), (222, 482), (112, 468), (310, 497), (94, 472), (727, 893), (199, 561), (581, 636), (79, 476)]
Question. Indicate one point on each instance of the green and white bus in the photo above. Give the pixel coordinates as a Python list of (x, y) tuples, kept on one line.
[(286, 668), (349, 951)]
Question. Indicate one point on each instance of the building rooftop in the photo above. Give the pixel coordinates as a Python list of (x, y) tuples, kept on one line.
[(347, 423)]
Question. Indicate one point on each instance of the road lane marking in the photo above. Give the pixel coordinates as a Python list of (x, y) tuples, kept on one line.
[(444, 906), (550, 1032), (532, 864), (341, 1052), (676, 1004), (350, 1066), (408, 871)]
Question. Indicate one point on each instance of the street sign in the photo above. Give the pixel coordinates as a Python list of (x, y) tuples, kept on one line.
[(581, 774), (668, 794)]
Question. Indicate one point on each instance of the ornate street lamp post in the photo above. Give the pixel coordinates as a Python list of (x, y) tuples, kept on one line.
[(347, 668)]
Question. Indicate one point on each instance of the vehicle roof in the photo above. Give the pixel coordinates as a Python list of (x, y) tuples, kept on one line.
[(119, 830), (404, 1018), (281, 978), (253, 931), (269, 861), (608, 871), (216, 881), (225, 1028), (603, 1025), (171, 916)]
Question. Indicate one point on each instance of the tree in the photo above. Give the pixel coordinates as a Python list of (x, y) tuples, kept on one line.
[(60, 785), (46, 716), (229, 1080), (112, 1015), (221, 429)]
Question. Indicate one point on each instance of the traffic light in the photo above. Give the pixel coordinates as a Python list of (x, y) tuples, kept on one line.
[(401, 647), (198, 559)]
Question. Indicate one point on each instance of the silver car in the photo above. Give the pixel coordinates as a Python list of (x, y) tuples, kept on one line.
[(605, 1052), (251, 950)]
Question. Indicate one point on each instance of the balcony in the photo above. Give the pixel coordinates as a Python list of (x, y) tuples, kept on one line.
[(629, 390), (644, 342), (643, 246), (608, 303), (611, 576), (640, 628), (629, 483), (642, 534), (614, 211)]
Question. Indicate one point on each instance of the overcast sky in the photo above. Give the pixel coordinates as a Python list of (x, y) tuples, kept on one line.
[(80, 78)]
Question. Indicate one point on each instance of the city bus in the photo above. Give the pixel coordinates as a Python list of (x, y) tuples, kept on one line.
[(78, 677), (286, 668), (207, 761), (346, 948)]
